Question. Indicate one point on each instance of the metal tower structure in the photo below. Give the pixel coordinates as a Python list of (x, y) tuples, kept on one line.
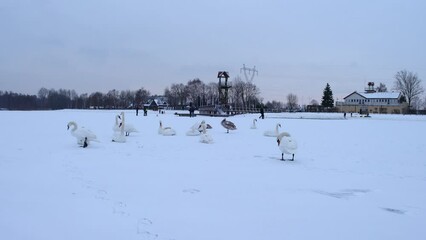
[(249, 72), (223, 87)]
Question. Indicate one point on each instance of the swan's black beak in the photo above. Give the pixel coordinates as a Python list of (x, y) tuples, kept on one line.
[(120, 125), (278, 141), (119, 116), (68, 127)]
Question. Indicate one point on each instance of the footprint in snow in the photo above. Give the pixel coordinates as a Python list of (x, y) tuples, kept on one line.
[(191, 190), (120, 209), (143, 228), (394, 210), (146, 235), (343, 194), (101, 194), (143, 224)]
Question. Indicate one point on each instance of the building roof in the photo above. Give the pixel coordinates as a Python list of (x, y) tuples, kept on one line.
[(386, 95), (377, 95), (155, 102)]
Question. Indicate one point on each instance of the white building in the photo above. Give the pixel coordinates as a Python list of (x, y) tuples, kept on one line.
[(371, 101)]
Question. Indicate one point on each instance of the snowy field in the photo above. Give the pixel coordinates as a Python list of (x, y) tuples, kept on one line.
[(354, 178)]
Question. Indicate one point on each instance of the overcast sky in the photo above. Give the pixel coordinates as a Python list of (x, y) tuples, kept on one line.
[(297, 46)]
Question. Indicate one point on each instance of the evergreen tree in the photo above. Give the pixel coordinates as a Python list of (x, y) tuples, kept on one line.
[(327, 98)]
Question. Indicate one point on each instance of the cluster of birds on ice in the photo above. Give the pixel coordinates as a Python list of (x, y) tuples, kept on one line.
[(121, 129)]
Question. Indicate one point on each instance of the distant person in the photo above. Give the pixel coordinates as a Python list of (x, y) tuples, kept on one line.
[(191, 110), (145, 111), (137, 110), (344, 114), (262, 113)]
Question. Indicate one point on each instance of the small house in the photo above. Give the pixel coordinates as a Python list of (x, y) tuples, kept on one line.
[(156, 104)]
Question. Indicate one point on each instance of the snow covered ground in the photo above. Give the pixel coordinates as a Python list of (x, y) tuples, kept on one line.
[(354, 178)]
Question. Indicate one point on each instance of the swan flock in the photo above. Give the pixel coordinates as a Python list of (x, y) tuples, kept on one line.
[(286, 143)]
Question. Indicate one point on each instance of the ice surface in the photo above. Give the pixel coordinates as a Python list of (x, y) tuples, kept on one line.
[(359, 178)]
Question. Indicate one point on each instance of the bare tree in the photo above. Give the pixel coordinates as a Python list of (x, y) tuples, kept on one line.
[(141, 96), (252, 94), (381, 88), (96, 99), (314, 102), (423, 103), (291, 102), (416, 103), (177, 94), (237, 92), (83, 101), (274, 106), (173, 101), (127, 98), (111, 98), (212, 93), (244, 94), (74, 98), (195, 89), (409, 85), (43, 93)]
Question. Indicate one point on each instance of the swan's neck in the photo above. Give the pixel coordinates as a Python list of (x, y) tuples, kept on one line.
[(122, 123), (122, 119), (281, 135)]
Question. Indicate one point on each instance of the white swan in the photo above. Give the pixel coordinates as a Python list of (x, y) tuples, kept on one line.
[(253, 125), (286, 144), (228, 125), (194, 130), (117, 127), (128, 128), (205, 136), (271, 133), (84, 136), (166, 131), (119, 135)]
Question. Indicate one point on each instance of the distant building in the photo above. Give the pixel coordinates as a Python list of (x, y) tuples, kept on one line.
[(156, 103), (371, 101)]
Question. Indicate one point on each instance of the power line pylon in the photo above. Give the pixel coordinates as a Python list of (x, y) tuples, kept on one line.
[(249, 72)]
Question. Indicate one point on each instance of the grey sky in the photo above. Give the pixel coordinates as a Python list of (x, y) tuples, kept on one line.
[(297, 46)]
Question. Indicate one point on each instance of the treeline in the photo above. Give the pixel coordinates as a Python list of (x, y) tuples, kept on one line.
[(51, 99), (11, 100), (242, 94)]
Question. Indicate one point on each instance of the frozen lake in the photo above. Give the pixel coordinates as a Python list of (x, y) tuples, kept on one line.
[(354, 178)]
